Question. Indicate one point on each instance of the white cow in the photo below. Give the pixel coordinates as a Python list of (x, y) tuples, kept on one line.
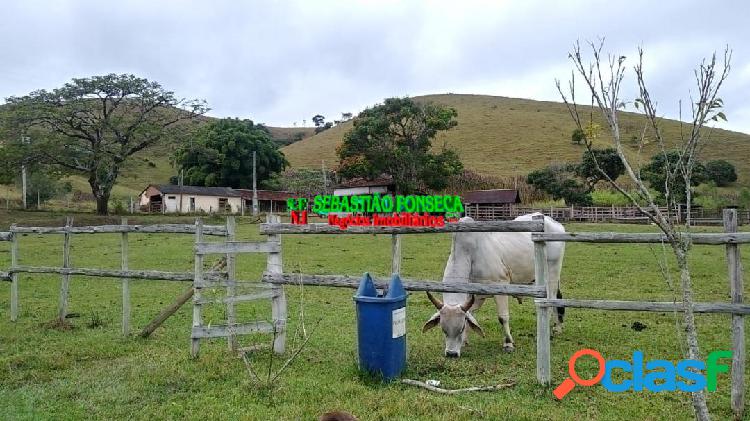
[(491, 257)]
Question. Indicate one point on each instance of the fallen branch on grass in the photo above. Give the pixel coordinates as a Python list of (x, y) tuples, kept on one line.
[(455, 391)]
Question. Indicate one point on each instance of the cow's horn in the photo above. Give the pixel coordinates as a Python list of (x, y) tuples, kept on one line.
[(469, 302), (437, 303)]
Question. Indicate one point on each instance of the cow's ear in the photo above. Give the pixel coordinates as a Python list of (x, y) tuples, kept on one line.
[(474, 325), (434, 320)]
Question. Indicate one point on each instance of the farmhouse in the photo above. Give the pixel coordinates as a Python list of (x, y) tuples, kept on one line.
[(168, 198), (489, 204), (268, 200)]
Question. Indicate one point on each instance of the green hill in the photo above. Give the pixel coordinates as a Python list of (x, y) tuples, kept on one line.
[(506, 136)]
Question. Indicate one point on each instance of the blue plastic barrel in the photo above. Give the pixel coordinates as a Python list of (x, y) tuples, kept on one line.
[(381, 328)]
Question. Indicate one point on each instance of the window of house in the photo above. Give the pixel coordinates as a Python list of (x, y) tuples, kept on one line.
[(192, 204), (172, 197), (223, 203)]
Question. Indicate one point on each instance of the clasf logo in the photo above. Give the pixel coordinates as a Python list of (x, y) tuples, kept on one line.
[(654, 375)]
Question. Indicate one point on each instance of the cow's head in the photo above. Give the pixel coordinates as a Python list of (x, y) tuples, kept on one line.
[(454, 319)]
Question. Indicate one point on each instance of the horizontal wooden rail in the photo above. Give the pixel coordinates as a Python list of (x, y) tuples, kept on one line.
[(6, 236), (346, 281), (237, 247), (645, 306), (489, 226), (238, 298), (116, 273), (105, 229), (221, 331), (618, 237)]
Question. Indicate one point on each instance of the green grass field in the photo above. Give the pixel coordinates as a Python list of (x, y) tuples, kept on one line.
[(92, 372)]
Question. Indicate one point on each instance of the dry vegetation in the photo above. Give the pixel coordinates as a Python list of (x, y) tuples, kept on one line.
[(501, 136)]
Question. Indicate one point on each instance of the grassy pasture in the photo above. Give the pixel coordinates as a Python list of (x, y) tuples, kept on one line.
[(92, 372)]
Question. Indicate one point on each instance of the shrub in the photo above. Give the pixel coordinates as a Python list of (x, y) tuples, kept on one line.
[(721, 172)]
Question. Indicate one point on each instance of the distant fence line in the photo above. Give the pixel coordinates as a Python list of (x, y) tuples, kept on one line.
[(625, 214)]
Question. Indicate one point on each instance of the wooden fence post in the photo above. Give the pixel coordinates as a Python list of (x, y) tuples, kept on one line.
[(543, 364), (395, 254), (738, 325), (13, 275), (197, 286), (278, 302), (231, 289), (125, 281), (65, 280)]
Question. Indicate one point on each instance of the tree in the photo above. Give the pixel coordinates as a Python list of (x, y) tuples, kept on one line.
[(323, 128), (91, 126), (594, 160), (578, 136), (395, 139), (221, 154), (560, 182), (603, 88), (318, 120), (669, 183), (721, 172)]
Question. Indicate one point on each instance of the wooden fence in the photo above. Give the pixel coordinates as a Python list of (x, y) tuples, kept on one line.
[(124, 273), (545, 300), (624, 214)]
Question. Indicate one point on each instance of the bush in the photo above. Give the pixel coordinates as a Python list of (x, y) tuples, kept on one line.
[(721, 172), (609, 198)]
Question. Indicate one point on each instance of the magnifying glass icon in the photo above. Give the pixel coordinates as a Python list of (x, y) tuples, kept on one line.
[(568, 384)]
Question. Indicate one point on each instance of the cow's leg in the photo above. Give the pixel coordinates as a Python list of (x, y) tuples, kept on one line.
[(559, 312), (503, 316)]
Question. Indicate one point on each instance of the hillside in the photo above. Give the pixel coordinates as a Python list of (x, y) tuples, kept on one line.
[(506, 136)]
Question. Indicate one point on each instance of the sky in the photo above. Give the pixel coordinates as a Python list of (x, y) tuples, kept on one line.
[(282, 62)]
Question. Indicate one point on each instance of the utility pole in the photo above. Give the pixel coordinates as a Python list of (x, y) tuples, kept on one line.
[(182, 173), (255, 189), (325, 178), (24, 140)]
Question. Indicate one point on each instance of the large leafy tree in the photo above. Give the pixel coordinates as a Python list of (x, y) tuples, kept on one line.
[(721, 172), (92, 126), (395, 139), (221, 154), (664, 174), (600, 165)]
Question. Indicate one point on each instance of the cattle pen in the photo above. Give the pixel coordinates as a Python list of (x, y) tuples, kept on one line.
[(540, 290), (274, 278)]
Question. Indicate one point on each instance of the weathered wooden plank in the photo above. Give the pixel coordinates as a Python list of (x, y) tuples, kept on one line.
[(166, 313), (103, 229), (125, 281), (484, 226), (231, 289), (274, 265), (541, 276), (232, 247), (654, 306), (346, 281), (734, 263), (65, 278), (619, 237), (13, 277), (5, 235), (396, 253), (224, 331), (239, 298), (195, 343), (116, 273)]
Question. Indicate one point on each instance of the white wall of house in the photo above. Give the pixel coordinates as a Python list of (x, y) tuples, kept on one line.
[(208, 204), (195, 203)]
